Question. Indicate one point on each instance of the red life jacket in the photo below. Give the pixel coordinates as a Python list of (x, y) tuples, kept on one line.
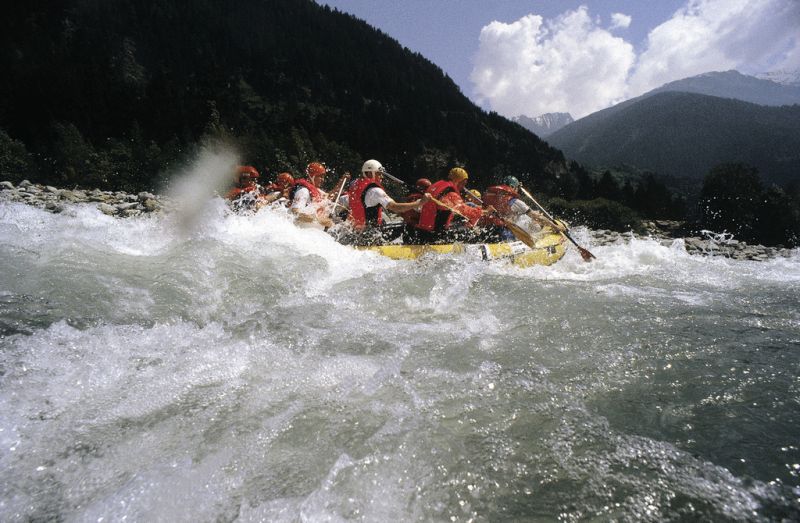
[(360, 214), (412, 197), (316, 195), (499, 197), (431, 217)]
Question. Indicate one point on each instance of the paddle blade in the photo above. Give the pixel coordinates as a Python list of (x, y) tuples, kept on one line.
[(585, 254), (520, 234)]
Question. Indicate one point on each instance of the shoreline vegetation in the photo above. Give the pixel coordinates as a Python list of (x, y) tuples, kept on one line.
[(127, 205)]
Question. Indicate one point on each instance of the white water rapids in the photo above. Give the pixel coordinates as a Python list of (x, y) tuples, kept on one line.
[(249, 370)]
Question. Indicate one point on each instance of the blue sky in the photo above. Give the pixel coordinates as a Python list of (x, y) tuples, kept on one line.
[(531, 57)]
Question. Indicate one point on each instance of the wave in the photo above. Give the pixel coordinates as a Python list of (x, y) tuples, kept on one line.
[(246, 368)]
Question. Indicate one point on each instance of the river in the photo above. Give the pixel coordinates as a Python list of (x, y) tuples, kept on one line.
[(244, 369)]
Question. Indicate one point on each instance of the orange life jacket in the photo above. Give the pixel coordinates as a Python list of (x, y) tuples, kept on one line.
[(431, 216), (360, 214)]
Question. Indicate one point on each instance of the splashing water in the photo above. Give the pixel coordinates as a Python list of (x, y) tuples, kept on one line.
[(252, 370)]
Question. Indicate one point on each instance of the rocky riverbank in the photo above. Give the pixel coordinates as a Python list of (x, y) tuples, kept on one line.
[(125, 205), (706, 243), (53, 199)]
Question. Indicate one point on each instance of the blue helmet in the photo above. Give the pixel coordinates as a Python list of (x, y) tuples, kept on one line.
[(511, 181)]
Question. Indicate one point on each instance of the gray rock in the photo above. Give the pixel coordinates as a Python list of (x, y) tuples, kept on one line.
[(151, 205), (25, 183), (128, 213), (694, 242), (126, 206), (7, 185), (54, 207), (107, 209), (68, 195), (144, 196)]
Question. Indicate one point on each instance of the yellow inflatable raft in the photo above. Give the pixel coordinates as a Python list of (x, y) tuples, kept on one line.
[(549, 248)]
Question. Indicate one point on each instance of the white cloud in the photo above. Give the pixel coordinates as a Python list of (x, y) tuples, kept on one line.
[(567, 64), (620, 21), (572, 64), (717, 35)]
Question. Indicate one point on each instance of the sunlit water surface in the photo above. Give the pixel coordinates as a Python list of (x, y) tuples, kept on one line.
[(248, 370)]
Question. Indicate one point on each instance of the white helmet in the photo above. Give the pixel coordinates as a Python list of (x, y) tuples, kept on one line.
[(372, 166)]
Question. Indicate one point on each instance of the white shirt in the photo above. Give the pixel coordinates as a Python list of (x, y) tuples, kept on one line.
[(301, 198), (372, 198), (376, 196), (303, 204), (519, 207)]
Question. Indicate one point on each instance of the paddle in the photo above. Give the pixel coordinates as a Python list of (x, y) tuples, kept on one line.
[(585, 254), (394, 179), (518, 232), (342, 182)]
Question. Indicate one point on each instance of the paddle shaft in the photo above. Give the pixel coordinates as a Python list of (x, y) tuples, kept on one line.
[(518, 232), (393, 178), (565, 232), (339, 194), (451, 209)]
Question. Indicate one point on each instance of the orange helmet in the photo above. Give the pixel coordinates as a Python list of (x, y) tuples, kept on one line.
[(284, 179), (422, 184), (315, 169), (246, 171)]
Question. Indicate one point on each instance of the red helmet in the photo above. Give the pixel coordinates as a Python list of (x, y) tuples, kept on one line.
[(246, 171), (284, 179), (422, 184), (315, 169)]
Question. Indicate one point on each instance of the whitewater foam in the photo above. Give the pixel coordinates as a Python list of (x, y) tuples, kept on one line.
[(245, 368)]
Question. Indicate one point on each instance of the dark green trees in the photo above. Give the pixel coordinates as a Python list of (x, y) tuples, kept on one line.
[(97, 91), (733, 199)]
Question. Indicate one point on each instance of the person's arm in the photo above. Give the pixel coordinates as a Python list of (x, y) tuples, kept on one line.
[(455, 202), (541, 219), (519, 207), (399, 208), (376, 196), (271, 197)]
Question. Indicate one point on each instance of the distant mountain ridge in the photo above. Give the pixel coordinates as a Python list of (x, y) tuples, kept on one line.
[(544, 124), (733, 84), (718, 117), (686, 134), (784, 77)]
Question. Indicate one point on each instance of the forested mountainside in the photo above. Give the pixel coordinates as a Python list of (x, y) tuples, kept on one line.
[(685, 135), (114, 93)]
